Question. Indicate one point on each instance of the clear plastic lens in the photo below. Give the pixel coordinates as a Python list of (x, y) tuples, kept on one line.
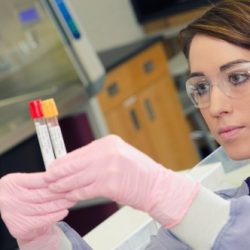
[(233, 82), (198, 89)]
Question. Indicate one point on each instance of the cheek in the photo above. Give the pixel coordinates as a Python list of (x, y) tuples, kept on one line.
[(209, 120), (211, 123), (237, 149)]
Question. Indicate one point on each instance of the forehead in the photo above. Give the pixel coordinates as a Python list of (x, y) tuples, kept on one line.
[(209, 53)]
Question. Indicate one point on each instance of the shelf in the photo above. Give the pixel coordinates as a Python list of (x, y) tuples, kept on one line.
[(19, 126)]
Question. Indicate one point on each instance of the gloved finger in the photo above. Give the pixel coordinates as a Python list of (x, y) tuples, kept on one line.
[(41, 195), (68, 167), (75, 181), (92, 191), (88, 192), (25, 228), (51, 218), (79, 159), (95, 146), (46, 208), (30, 180), (82, 151)]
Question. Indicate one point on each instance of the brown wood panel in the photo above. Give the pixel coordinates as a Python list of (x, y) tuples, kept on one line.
[(160, 138), (126, 122), (166, 126), (148, 65), (117, 87)]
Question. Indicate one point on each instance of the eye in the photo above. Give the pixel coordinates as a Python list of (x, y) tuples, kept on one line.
[(201, 88), (237, 78)]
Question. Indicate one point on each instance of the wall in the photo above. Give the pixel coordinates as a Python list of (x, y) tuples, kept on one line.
[(109, 23)]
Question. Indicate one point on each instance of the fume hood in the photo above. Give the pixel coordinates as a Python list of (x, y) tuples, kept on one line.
[(43, 54)]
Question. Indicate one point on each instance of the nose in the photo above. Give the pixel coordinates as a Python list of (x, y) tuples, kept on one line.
[(219, 102)]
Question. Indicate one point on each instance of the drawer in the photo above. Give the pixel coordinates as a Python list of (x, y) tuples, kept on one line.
[(117, 87), (149, 65)]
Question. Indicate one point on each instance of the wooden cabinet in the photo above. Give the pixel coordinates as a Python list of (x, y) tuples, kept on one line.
[(140, 103)]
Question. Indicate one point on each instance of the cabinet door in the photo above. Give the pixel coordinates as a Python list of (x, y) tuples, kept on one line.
[(117, 87), (166, 127), (126, 121)]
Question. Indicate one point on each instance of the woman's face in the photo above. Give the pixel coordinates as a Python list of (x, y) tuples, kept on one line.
[(227, 118)]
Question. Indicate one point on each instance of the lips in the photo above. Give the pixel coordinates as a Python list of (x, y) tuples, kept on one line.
[(230, 132)]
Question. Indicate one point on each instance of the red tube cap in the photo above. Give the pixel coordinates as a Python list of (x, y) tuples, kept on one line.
[(35, 108)]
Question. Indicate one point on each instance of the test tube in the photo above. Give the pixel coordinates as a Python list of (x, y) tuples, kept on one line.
[(42, 132), (50, 113)]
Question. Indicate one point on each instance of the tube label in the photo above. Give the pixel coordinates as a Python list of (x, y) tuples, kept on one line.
[(57, 141), (45, 143)]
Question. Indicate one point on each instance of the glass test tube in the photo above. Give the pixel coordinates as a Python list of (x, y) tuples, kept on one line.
[(42, 132), (50, 114)]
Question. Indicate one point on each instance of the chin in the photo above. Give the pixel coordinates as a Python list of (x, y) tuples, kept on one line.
[(237, 153)]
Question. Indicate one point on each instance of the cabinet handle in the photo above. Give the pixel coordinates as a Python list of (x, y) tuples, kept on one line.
[(135, 119), (150, 110), (113, 89), (148, 66)]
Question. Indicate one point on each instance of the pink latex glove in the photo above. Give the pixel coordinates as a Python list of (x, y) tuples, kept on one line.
[(111, 168), (30, 210)]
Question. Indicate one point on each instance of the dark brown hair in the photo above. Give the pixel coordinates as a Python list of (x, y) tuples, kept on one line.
[(228, 20)]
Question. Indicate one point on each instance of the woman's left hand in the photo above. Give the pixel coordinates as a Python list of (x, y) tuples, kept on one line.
[(28, 208)]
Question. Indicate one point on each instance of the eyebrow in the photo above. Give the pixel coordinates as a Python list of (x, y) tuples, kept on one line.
[(196, 74), (222, 68), (230, 64)]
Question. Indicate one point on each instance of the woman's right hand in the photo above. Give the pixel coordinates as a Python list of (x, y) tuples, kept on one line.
[(28, 207), (111, 168)]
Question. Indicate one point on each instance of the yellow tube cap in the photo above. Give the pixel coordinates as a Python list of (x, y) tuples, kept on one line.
[(49, 108)]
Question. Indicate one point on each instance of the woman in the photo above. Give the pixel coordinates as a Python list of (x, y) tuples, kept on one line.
[(217, 47)]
